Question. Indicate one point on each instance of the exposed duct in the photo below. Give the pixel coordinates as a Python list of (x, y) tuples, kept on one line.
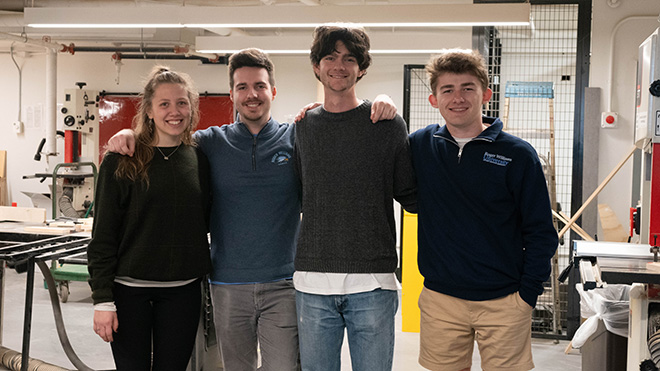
[(9, 19), (153, 52), (46, 43), (51, 102), (120, 56)]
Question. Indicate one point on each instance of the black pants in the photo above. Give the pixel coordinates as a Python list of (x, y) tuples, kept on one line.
[(169, 316)]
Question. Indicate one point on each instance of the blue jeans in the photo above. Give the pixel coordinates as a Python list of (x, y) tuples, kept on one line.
[(368, 318), (260, 313)]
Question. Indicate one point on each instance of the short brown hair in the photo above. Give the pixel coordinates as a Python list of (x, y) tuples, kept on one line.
[(457, 61), (251, 57), (354, 37)]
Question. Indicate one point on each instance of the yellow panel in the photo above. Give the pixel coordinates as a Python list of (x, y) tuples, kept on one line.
[(412, 280)]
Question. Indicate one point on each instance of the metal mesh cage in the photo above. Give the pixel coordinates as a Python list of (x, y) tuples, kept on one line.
[(543, 55)]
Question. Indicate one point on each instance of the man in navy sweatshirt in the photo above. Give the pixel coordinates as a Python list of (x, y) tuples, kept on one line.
[(486, 235)]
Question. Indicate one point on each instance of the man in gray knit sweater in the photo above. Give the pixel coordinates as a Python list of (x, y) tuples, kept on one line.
[(350, 170)]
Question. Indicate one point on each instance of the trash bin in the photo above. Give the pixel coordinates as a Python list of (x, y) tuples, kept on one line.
[(603, 336), (604, 351)]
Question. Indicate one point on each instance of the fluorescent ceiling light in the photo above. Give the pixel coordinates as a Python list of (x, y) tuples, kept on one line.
[(363, 24), (401, 15), (104, 25), (381, 42), (306, 51)]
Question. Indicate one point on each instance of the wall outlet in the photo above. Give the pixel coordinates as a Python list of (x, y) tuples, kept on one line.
[(609, 120), (18, 127)]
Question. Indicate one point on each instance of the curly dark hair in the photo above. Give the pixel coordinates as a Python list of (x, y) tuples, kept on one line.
[(354, 37)]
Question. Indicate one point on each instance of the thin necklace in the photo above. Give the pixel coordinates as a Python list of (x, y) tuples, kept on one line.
[(171, 153)]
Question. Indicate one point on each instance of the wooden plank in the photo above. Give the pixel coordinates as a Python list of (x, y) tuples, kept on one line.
[(597, 191), (23, 214), (3, 164), (564, 219), (86, 221), (4, 199), (67, 224), (49, 230)]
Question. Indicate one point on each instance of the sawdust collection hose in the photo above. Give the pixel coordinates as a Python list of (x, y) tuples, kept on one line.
[(59, 321), (12, 360)]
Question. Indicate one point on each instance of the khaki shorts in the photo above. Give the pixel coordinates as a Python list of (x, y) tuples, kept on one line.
[(501, 327)]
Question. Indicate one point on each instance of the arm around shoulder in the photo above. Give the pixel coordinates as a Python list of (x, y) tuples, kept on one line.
[(123, 142)]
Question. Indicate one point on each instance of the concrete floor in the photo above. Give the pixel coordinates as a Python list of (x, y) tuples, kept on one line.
[(78, 314)]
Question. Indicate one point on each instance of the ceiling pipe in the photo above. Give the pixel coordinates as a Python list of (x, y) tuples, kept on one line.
[(44, 42), (124, 49), (11, 20), (51, 102), (119, 56), (180, 52)]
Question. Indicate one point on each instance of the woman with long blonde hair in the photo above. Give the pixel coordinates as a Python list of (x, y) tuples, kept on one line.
[(149, 248)]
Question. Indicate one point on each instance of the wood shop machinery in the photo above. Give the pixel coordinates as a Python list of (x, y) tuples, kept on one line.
[(636, 262), (74, 180)]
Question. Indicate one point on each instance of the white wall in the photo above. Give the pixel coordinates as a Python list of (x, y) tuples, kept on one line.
[(624, 43), (295, 82)]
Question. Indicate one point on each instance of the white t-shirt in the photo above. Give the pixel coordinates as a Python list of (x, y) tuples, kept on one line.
[(343, 283)]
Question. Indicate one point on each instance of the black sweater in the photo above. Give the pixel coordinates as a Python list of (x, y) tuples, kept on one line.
[(157, 233)]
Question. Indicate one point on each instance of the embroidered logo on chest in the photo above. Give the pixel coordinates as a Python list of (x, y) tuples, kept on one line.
[(281, 158), (495, 159)]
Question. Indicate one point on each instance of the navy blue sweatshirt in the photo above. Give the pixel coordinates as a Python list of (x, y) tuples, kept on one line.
[(485, 222)]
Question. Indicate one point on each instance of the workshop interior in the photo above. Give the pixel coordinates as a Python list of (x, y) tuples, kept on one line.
[(577, 79)]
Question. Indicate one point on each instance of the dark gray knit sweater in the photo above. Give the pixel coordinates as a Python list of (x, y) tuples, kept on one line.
[(350, 170)]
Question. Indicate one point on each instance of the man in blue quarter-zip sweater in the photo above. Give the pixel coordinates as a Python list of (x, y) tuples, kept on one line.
[(485, 233), (255, 217)]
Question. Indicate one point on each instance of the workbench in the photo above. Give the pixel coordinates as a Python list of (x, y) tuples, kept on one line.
[(23, 251)]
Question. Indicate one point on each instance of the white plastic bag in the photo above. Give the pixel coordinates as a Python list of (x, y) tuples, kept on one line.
[(610, 304)]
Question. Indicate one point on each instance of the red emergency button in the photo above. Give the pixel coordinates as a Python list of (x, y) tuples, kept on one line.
[(609, 119)]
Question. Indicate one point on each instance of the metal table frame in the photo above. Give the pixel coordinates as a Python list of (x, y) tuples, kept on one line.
[(26, 256)]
